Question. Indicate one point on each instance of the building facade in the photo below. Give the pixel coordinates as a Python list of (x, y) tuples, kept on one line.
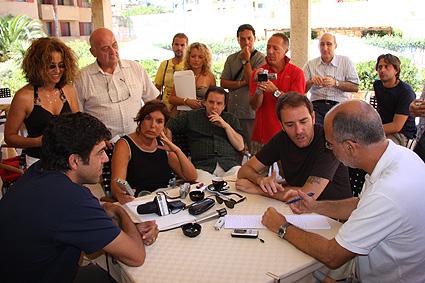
[(74, 16)]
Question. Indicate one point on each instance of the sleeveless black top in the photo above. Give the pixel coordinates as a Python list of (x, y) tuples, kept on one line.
[(39, 118), (147, 170)]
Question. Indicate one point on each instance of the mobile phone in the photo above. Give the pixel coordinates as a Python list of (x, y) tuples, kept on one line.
[(244, 233), (418, 103), (124, 185)]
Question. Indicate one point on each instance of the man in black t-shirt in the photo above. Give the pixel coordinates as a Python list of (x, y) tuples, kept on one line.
[(307, 163), (393, 97)]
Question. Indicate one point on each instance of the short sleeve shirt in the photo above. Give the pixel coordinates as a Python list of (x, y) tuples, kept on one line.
[(115, 98), (168, 81), (340, 68), (386, 229), (314, 160), (239, 98), (266, 125), (47, 220), (395, 100)]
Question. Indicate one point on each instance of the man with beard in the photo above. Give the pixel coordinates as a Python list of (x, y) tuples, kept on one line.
[(112, 89), (307, 164), (236, 76), (393, 98), (383, 228), (49, 216), (164, 78), (214, 136)]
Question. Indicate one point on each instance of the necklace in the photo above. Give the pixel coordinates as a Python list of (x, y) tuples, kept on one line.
[(49, 95), (149, 147), (197, 77)]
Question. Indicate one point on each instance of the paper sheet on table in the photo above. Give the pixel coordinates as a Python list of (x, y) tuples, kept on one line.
[(163, 222), (254, 221), (243, 221), (184, 82)]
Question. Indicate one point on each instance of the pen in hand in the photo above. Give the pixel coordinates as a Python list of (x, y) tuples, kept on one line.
[(297, 199)]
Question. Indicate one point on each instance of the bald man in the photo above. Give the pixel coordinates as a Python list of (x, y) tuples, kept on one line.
[(330, 78), (111, 89), (384, 228)]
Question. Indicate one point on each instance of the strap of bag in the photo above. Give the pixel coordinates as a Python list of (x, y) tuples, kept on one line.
[(240, 70), (163, 79)]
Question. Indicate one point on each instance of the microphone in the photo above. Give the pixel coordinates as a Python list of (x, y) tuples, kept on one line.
[(217, 214)]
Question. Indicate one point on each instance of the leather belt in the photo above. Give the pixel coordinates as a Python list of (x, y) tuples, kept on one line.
[(331, 102)]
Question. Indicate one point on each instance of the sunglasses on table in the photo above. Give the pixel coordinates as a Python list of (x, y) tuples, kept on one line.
[(60, 66), (228, 201)]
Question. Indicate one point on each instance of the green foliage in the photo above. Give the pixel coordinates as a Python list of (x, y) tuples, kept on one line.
[(409, 74), (314, 34), (395, 43), (367, 74), (12, 76), (381, 33), (217, 68), (82, 49), (146, 11), (151, 67), (221, 50), (15, 33), (11, 72)]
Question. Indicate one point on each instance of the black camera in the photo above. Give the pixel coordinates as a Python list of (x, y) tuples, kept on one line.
[(159, 205)]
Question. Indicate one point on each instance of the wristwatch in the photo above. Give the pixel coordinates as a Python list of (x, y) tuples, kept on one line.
[(337, 84), (281, 232), (277, 93), (244, 62)]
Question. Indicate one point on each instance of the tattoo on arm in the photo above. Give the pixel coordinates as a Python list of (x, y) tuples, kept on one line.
[(314, 180)]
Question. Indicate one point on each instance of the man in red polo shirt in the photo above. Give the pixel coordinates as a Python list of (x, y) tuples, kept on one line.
[(264, 94)]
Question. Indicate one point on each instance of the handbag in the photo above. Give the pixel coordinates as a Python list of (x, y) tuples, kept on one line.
[(420, 147)]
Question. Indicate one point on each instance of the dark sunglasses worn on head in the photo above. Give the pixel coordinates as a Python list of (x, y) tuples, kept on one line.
[(228, 201), (60, 66)]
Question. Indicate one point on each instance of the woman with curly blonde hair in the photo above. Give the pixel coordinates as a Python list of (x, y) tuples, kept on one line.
[(50, 67), (198, 58)]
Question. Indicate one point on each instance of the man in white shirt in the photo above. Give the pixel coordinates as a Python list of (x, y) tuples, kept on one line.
[(330, 78), (384, 228), (111, 89)]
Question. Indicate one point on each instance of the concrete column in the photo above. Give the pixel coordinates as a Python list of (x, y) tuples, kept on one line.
[(102, 14), (300, 31)]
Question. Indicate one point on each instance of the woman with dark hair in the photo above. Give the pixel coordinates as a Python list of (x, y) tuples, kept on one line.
[(50, 67), (198, 58), (146, 158)]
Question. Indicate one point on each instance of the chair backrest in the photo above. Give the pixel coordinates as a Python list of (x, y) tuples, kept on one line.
[(373, 101), (106, 174), (357, 179), (182, 141)]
